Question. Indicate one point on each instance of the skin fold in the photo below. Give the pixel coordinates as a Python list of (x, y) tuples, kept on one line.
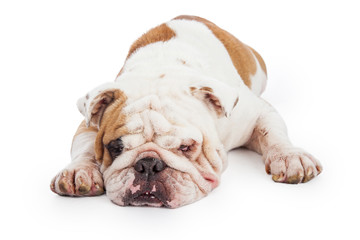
[(158, 136)]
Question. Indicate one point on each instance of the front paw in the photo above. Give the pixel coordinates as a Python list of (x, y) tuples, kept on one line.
[(291, 165), (78, 180)]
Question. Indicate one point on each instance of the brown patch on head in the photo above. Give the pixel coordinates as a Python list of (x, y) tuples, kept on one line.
[(112, 126), (161, 33), (99, 104), (240, 54), (162, 75), (83, 129)]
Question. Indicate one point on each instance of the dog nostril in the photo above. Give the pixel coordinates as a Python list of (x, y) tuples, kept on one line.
[(159, 166), (149, 166), (139, 167)]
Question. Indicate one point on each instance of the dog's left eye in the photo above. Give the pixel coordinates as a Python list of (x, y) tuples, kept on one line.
[(115, 147), (185, 148)]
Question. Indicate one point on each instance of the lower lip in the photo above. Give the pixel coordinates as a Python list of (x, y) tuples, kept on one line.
[(149, 200)]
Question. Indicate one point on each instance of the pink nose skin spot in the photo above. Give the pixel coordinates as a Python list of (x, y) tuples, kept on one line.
[(134, 189), (211, 178)]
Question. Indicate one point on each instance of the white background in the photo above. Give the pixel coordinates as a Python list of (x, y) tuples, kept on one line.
[(53, 52)]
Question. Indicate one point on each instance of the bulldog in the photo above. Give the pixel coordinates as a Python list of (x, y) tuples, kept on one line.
[(188, 93)]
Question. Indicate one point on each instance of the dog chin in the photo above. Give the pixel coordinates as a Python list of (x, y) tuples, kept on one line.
[(170, 188)]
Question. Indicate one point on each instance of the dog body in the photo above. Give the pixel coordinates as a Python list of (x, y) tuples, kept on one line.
[(158, 136)]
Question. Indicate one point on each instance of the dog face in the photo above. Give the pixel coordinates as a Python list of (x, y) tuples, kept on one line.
[(155, 150)]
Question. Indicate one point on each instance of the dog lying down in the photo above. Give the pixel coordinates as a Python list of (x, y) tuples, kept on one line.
[(159, 135)]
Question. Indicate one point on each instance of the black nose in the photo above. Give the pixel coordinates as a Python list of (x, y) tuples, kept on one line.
[(149, 166)]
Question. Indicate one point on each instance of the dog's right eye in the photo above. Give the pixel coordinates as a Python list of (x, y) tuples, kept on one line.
[(185, 148), (115, 147)]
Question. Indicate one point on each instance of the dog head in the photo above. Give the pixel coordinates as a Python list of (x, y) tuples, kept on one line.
[(158, 148)]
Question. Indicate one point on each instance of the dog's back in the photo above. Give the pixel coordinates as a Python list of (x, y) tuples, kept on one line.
[(201, 45)]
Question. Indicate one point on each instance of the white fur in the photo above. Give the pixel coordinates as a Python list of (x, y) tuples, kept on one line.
[(154, 126), (258, 80), (83, 147), (202, 68), (164, 114)]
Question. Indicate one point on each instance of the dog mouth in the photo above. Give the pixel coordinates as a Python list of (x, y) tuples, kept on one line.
[(154, 196), (169, 188), (148, 198)]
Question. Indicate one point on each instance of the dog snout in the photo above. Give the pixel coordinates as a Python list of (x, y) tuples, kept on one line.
[(149, 166)]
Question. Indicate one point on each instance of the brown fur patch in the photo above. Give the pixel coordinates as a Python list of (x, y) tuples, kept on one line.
[(161, 33), (182, 61), (121, 71), (83, 129), (101, 102), (240, 54), (112, 127)]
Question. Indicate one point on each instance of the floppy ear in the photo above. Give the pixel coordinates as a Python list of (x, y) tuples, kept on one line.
[(94, 103), (218, 96)]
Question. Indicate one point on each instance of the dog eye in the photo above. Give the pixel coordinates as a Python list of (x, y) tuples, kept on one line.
[(115, 147), (185, 148)]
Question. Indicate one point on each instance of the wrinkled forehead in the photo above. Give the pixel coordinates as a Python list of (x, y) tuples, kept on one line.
[(150, 117)]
